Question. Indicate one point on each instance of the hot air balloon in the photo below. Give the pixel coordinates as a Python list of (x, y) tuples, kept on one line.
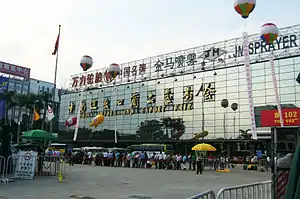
[(114, 70), (244, 7), (97, 120), (86, 62), (269, 33), (71, 121)]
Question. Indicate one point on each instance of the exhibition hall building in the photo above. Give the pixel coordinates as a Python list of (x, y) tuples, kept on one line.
[(196, 93)]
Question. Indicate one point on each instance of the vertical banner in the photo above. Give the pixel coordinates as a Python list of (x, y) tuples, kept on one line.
[(78, 115), (276, 88), (249, 83)]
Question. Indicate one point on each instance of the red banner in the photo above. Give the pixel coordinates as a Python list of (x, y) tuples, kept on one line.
[(11, 69), (291, 117)]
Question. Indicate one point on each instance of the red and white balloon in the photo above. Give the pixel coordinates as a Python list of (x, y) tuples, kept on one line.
[(114, 70), (86, 62), (269, 33)]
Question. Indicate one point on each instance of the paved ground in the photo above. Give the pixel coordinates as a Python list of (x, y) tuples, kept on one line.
[(122, 183)]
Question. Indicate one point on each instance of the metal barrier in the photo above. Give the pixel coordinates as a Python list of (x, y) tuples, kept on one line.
[(2, 169), (204, 195), (261, 190), (15, 167)]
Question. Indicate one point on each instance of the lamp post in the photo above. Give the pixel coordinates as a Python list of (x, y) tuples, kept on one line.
[(224, 104), (234, 107), (114, 71)]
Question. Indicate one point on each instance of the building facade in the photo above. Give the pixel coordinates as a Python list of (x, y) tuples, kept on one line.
[(177, 95)]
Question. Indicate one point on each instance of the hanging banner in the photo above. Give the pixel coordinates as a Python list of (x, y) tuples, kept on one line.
[(276, 88), (249, 83)]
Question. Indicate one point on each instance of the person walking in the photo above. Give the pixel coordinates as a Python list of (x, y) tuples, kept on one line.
[(199, 166)]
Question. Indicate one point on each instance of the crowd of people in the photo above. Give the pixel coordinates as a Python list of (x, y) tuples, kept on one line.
[(157, 160)]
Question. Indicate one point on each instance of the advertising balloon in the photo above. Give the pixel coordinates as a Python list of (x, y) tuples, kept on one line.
[(114, 70), (71, 121), (269, 33), (86, 62), (244, 7), (97, 120)]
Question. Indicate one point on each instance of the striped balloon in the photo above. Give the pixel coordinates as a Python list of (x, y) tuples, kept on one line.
[(114, 70), (86, 62), (269, 33), (244, 7)]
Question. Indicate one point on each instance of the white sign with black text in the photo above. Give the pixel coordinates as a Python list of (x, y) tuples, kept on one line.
[(26, 165)]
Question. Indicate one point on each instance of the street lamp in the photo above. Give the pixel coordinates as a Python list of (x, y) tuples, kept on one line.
[(224, 104), (114, 70), (234, 107)]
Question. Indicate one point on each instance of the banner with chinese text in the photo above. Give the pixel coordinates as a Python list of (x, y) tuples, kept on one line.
[(291, 117)]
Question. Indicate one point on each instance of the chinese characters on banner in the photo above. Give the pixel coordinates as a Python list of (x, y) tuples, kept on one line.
[(168, 64), (249, 83), (207, 90), (276, 88), (291, 117), (14, 70)]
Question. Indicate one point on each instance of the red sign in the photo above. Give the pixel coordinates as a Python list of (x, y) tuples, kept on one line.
[(11, 69), (291, 117)]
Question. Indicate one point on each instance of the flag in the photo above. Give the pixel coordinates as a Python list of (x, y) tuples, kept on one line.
[(56, 43), (36, 116), (50, 114)]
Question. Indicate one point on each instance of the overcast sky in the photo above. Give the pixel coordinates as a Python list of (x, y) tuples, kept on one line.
[(121, 30)]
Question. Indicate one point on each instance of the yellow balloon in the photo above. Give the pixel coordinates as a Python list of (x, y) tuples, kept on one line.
[(97, 120)]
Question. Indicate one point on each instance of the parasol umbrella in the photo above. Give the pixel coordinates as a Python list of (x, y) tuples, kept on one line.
[(203, 147), (293, 185), (38, 135)]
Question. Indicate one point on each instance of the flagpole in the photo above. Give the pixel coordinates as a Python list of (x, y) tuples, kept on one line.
[(55, 76)]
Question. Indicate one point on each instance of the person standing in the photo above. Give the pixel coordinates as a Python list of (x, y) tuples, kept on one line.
[(199, 165), (194, 162)]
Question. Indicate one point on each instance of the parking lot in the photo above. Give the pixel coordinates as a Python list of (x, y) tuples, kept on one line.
[(122, 183)]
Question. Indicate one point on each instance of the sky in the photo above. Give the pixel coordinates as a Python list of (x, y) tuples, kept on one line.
[(121, 30)]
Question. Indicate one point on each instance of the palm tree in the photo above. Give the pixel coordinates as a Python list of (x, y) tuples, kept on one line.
[(167, 125), (244, 134)]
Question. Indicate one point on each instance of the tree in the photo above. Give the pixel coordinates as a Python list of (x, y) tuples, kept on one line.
[(167, 124), (150, 130), (175, 125), (244, 134)]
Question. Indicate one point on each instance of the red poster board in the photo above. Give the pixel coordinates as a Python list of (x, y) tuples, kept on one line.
[(291, 117)]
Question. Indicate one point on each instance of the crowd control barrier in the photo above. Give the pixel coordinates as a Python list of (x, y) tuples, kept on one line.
[(261, 190), (204, 195), (27, 166)]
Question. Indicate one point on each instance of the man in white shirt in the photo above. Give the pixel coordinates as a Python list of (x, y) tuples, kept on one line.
[(90, 157), (178, 161), (160, 160), (156, 157), (105, 154)]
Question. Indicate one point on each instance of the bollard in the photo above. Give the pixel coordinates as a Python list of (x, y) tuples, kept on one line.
[(60, 177)]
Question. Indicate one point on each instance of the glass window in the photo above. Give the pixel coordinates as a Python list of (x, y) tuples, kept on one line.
[(258, 79), (288, 98), (288, 82)]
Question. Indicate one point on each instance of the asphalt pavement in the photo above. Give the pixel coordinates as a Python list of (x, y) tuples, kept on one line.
[(90, 182)]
